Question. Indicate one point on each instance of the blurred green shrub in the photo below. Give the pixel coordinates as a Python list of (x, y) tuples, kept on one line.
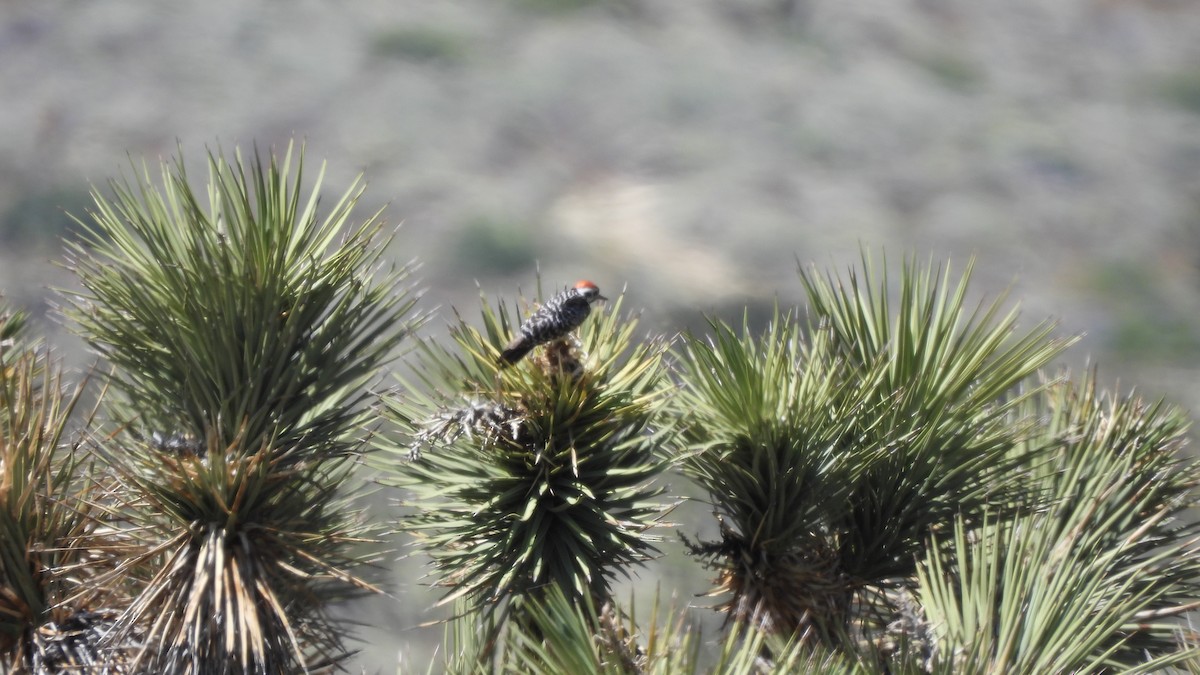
[(1183, 89), (421, 44), (495, 245), (952, 71), (550, 6), (1146, 324), (43, 216)]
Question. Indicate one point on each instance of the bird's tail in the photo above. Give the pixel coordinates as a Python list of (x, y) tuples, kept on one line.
[(516, 350)]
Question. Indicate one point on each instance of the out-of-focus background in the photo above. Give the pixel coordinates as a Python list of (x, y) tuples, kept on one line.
[(691, 150)]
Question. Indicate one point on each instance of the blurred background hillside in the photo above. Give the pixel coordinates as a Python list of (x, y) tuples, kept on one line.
[(692, 150)]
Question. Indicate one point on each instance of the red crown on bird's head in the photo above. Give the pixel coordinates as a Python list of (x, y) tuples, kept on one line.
[(589, 290)]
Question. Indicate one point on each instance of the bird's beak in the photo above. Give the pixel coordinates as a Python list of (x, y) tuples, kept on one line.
[(601, 297)]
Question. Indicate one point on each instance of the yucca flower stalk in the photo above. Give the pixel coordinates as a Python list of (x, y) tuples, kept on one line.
[(1099, 572), (831, 448), (533, 476), (244, 329), (48, 623)]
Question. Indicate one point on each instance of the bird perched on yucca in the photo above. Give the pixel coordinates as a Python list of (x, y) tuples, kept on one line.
[(559, 316)]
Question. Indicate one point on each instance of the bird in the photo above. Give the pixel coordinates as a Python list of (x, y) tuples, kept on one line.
[(560, 315)]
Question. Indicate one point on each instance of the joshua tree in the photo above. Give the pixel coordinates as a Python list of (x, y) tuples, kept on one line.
[(534, 478), (243, 331), (897, 484), (901, 485)]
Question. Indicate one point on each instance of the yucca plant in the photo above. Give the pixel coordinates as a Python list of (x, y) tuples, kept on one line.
[(562, 636), (48, 623), (832, 448), (1099, 572), (578, 638), (244, 329), (532, 476)]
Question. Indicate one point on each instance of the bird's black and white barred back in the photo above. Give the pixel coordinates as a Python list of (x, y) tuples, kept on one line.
[(556, 318)]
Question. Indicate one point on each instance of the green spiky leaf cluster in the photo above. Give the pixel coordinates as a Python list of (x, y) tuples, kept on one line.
[(831, 448), (1095, 575), (244, 329), (579, 638), (12, 334), (247, 314), (534, 475)]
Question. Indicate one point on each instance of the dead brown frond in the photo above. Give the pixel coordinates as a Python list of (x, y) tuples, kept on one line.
[(563, 357), (76, 645), (244, 564), (52, 614), (478, 418), (616, 634)]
